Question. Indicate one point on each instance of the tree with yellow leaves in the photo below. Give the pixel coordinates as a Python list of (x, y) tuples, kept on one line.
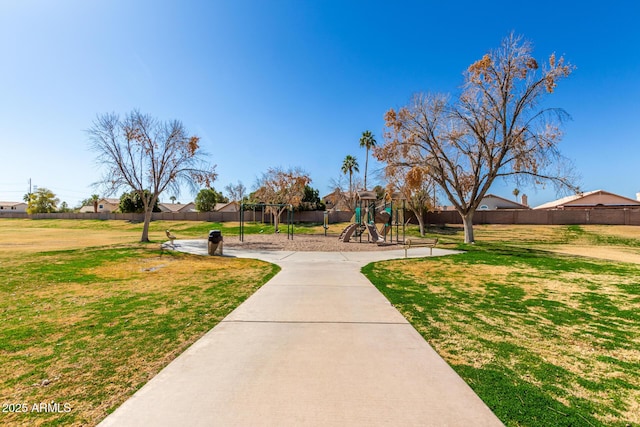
[(415, 187), (495, 129), (282, 189)]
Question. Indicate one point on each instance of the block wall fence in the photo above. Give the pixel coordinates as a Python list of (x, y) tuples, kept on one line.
[(507, 216), (249, 216), (543, 217)]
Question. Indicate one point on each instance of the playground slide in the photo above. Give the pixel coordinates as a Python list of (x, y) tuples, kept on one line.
[(346, 234), (374, 233)]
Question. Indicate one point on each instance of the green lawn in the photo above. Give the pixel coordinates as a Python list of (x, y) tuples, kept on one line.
[(88, 315), (545, 339), (86, 326)]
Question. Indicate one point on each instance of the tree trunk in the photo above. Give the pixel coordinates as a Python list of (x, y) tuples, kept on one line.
[(467, 221), (366, 166), (275, 222), (145, 227), (420, 219), (276, 212), (350, 189)]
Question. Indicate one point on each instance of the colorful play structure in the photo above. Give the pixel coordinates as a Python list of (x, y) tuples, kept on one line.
[(389, 213)]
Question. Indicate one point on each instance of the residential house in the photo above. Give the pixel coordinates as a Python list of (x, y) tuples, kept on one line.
[(491, 202), (177, 207), (598, 199), (12, 207), (227, 207), (106, 205), (339, 201)]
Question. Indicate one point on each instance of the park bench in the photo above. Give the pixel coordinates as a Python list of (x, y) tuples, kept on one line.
[(420, 243)]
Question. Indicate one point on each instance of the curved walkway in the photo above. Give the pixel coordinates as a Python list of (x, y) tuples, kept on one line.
[(317, 345)]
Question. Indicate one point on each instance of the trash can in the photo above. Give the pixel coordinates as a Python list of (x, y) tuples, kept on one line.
[(215, 242)]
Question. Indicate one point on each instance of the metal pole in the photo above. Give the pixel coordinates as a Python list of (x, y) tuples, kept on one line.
[(404, 211), (397, 224), (240, 232), (325, 222), (361, 219), (390, 221)]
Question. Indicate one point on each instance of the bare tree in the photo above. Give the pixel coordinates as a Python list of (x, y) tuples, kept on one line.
[(236, 192), (342, 194), (282, 187), (143, 153), (496, 129)]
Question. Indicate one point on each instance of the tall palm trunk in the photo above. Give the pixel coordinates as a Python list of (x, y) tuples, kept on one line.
[(350, 186), (366, 167)]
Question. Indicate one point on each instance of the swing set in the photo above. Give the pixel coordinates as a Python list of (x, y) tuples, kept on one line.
[(264, 207)]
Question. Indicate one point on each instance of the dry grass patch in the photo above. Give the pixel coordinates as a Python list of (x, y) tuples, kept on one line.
[(622, 231), (29, 236), (609, 253), (519, 233)]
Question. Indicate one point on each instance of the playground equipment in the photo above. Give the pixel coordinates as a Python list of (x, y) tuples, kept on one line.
[(346, 234), (267, 206), (368, 212)]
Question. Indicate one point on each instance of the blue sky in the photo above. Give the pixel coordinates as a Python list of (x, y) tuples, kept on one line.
[(293, 83)]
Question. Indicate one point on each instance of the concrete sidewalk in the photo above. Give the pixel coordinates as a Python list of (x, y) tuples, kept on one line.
[(317, 345)]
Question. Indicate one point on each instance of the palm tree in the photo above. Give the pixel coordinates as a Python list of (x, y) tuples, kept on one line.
[(94, 200), (368, 141), (173, 199), (349, 165), (515, 193)]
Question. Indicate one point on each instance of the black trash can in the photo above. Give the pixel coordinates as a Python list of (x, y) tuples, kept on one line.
[(215, 242)]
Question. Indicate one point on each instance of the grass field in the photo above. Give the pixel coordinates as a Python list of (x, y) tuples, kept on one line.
[(60, 234), (543, 322), (88, 315), (544, 338)]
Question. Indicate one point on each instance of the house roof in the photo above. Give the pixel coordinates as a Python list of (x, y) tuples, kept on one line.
[(512, 204), (110, 200), (103, 201), (339, 200), (176, 207), (506, 203), (12, 203), (228, 207), (590, 199)]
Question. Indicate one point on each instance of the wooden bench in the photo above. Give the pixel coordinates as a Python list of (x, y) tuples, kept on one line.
[(421, 243)]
